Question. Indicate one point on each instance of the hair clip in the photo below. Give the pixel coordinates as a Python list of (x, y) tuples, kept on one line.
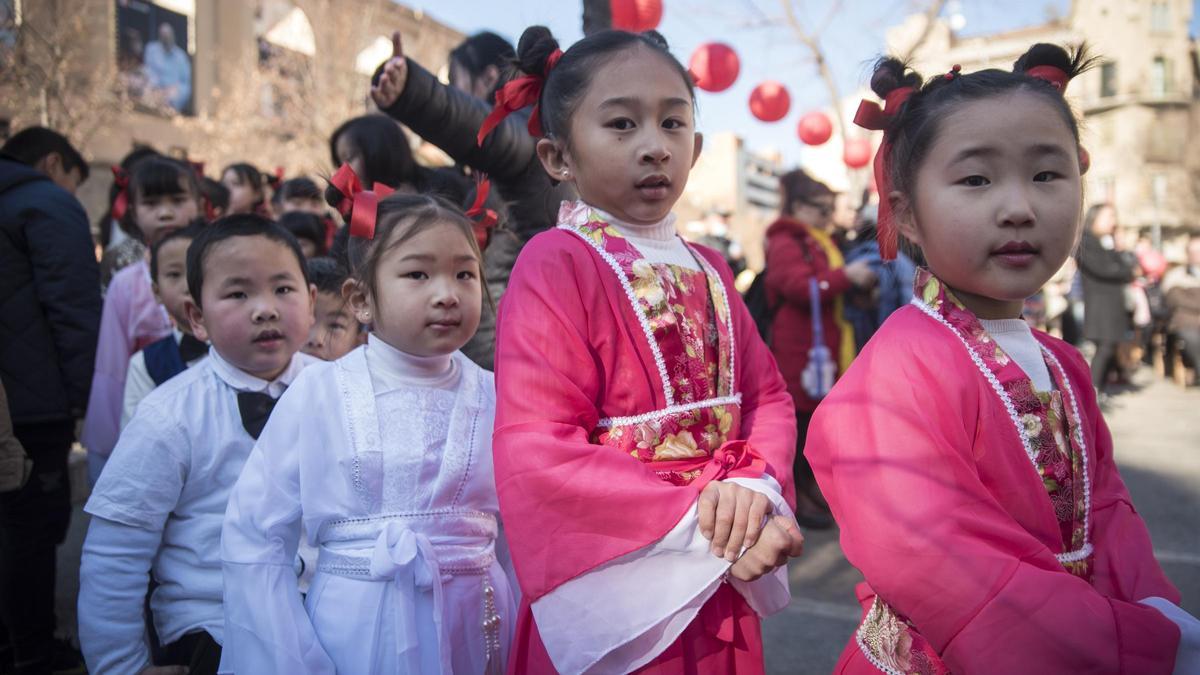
[(517, 94), (955, 71), (360, 207), (120, 202)]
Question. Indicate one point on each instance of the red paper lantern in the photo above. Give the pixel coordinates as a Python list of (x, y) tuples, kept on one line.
[(857, 153), (714, 66), (815, 128), (636, 16), (770, 101)]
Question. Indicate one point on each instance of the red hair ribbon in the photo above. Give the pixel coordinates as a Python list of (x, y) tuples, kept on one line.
[(197, 168), (1056, 76), (359, 206), (485, 218), (871, 116), (276, 180), (121, 202), (517, 94)]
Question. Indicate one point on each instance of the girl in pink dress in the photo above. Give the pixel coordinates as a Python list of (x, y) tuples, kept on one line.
[(643, 433), (963, 455), (163, 196)]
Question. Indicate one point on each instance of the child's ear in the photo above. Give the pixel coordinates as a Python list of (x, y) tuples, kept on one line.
[(904, 217), (554, 159), (195, 317), (312, 301), (356, 296), (697, 146)]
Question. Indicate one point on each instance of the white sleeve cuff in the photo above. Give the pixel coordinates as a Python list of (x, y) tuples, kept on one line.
[(622, 614), (1187, 657)]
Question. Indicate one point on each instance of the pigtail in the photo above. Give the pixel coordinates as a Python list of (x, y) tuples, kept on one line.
[(534, 49), (890, 74)]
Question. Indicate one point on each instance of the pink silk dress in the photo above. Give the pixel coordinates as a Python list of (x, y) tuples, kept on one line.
[(989, 519), (623, 388), (132, 319)]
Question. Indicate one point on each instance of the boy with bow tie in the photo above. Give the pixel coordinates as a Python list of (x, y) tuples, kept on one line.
[(159, 505), (161, 360)]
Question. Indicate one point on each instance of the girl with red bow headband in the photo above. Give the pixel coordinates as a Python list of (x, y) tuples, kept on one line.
[(393, 481), (963, 454), (643, 433)]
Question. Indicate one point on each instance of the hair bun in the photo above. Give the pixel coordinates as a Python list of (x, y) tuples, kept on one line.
[(890, 74), (534, 49), (1072, 62), (656, 38), (333, 196)]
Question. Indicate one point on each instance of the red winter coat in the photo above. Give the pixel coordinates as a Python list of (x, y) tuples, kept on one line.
[(793, 257)]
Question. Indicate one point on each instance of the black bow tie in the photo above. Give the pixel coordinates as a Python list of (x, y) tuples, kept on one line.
[(191, 349), (255, 408)]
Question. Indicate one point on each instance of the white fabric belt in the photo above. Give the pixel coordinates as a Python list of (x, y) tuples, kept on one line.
[(418, 551)]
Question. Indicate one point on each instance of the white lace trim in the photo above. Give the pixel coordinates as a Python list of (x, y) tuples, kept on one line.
[(1083, 551), (664, 413), (659, 361)]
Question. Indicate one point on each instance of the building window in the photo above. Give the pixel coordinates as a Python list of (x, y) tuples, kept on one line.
[(1160, 17), (1160, 77), (1108, 79), (1158, 189)]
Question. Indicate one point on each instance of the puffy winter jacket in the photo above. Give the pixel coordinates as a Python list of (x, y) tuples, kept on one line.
[(49, 297)]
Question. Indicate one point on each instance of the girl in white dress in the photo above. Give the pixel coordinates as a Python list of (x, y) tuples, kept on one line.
[(385, 457)]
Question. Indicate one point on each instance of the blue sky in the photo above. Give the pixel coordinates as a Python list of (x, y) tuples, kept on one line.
[(852, 38)]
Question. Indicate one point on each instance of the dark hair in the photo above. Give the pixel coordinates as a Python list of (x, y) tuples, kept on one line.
[(304, 225), (401, 217), (567, 82), (32, 144), (912, 131), (237, 225), (215, 193), (481, 50), (1089, 217), (156, 176), (327, 275), (249, 173), (798, 186), (189, 233), (447, 183), (386, 156), (296, 188)]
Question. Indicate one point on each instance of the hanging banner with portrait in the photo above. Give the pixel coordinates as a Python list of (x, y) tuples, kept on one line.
[(155, 54)]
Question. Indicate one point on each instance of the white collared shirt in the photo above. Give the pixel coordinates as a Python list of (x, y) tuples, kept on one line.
[(138, 383), (171, 473)]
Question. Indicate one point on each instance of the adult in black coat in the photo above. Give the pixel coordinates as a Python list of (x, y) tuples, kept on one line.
[(49, 324), (450, 117), (1106, 272)]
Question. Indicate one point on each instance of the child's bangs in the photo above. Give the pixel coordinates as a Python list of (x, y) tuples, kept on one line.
[(159, 179)]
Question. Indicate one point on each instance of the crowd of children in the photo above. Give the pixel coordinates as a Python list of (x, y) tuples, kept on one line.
[(300, 465)]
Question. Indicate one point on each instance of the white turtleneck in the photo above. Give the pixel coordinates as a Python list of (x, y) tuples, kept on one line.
[(392, 369), (1015, 337), (657, 242)]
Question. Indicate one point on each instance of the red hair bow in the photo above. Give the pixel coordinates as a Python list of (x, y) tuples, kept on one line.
[(485, 218), (1056, 76), (517, 94), (276, 180), (359, 206), (871, 116), (121, 202)]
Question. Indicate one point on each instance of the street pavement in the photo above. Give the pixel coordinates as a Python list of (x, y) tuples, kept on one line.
[(1156, 430)]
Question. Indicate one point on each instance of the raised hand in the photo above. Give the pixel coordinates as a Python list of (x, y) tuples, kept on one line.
[(391, 82)]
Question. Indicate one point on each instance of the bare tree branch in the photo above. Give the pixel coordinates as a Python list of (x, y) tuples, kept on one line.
[(813, 43), (931, 16)]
